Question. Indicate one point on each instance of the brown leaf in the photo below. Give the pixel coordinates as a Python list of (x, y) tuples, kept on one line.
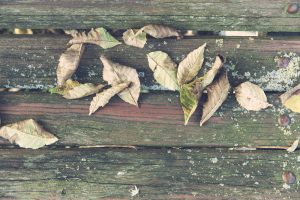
[(251, 97), (135, 37), (190, 93), (160, 31), (217, 93), (27, 134), (68, 63), (101, 99), (114, 74), (82, 90), (164, 69), (190, 66), (98, 36)]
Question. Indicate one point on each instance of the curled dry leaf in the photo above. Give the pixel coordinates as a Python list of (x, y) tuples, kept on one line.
[(164, 69), (82, 90), (98, 36), (190, 66), (114, 74), (291, 99), (27, 134), (101, 99), (217, 93), (160, 31), (251, 97), (190, 93), (68, 63), (75, 90), (135, 37), (293, 147)]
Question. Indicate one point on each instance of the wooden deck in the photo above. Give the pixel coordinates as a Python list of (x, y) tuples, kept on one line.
[(237, 155)]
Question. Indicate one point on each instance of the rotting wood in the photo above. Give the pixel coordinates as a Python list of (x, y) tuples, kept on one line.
[(159, 174), (251, 15), (158, 122), (30, 61)]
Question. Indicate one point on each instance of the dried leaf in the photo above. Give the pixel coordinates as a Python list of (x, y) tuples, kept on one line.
[(98, 36), (190, 93), (251, 97), (164, 69), (82, 90), (27, 134), (68, 63), (114, 74), (291, 99), (217, 93), (293, 147), (101, 99), (190, 66), (160, 31), (135, 37)]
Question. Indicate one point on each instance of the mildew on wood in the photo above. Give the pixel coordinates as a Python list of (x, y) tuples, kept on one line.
[(204, 15), (158, 122), (159, 174), (30, 61)]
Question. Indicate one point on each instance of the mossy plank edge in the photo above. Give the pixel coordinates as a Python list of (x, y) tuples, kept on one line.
[(198, 15), (158, 121), (157, 173), (30, 61)]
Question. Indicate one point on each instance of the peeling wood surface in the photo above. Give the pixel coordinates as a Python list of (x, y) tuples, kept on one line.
[(158, 122), (30, 61), (204, 15), (159, 174)]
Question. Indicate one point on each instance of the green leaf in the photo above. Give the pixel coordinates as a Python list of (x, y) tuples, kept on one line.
[(190, 93), (189, 97)]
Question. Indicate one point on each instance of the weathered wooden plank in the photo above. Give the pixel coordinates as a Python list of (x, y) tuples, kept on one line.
[(252, 15), (158, 122), (30, 61), (159, 174)]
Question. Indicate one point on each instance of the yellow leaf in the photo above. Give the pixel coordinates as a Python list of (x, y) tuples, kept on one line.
[(291, 99), (114, 74), (101, 99), (293, 103), (217, 93), (164, 69), (160, 31), (190, 66), (68, 63), (190, 93), (27, 134), (98, 36), (20, 31), (135, 37), (251, 97), (293, 147)]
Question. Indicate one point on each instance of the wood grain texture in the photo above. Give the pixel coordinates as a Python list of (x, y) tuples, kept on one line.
[(159, 174), (204, 15), (31, 61), (158, 122)]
